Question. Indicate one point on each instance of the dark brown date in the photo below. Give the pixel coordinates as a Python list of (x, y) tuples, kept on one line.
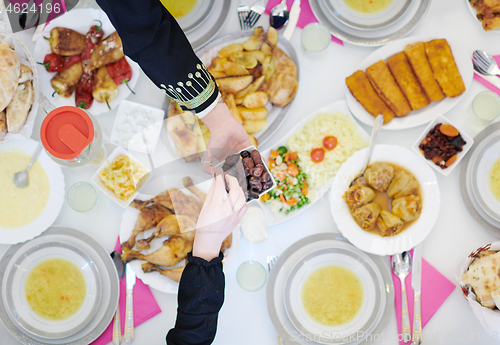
[(265, 177), (256, 157), (245, 154), (248, 162), (254, 182), (267, 185), (258, 170), (252, 194)]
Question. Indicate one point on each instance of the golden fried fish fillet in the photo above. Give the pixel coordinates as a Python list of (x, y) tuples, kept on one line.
[(361, 89), (444, 67), (407, 81), (415, 53), (282, 86), (383, 82)]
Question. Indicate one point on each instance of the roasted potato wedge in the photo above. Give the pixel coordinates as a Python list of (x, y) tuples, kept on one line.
[(268, 67), (253, 140), (234, 84), (244, 58), (252, 44), (232, 48), (266, 49), (253, 114), (229, 100), (260, 56), (218, 64), (255, 86), (253, 126), (217, 74), (255, 100), (272, 36)]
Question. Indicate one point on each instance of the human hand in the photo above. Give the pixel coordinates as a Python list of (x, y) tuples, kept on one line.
[(219, 216)]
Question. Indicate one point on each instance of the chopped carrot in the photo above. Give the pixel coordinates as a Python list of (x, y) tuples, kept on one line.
[(289, 182), (293, 156), (282, 198), (292, 169), (303, 190), (291, 202), (422, 151), (265, 197), (67, 298), (280, 175), (274, 154), (287, 157), (451, 160), (437, 159), (448, 130), (271, 161)]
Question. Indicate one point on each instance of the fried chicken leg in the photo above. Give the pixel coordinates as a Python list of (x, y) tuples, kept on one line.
[(171, 225), (174, 250), (162, 199), (173, 273), (188, 183)]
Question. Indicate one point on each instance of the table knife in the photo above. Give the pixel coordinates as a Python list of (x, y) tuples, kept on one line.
[(416, 284), (492, 79), (292, 21), (129, 311), (42, 19)]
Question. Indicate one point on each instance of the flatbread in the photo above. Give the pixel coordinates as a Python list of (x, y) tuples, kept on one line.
[(9, 74), (483, 277), (25, 74), (18, 109), (3, 125)]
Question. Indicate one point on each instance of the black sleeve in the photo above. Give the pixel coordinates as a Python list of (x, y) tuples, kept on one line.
[(154, 39), (201, 295)]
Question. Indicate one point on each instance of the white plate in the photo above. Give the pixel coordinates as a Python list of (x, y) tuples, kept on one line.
[(208, 29), (194, 19), (422, 116), (19, 307), (481, 167), (366, 271), (26, 58), (468, 144), (129, 217), (411, 236), (474, 13), (54, 203), (273, 219), (96, 181), (287, 260), (79, 20)]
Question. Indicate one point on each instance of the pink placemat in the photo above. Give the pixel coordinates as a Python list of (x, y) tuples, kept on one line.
[(306, 14), (435, 290), (145, 306), (488, 84)]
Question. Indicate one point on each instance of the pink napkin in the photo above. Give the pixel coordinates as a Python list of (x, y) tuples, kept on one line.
[(306, 14), (145, 306), (488, 84), (435, 290)]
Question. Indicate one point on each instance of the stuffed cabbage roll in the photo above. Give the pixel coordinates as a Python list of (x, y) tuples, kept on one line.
[(366, 215), (403, 184), (357, 196), (389, 224), (379, 175), (407, 208)]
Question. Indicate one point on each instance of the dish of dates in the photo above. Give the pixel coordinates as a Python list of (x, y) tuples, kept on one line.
[(442, 144)]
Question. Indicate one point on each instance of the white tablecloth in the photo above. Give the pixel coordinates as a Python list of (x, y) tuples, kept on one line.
[(243, 318)]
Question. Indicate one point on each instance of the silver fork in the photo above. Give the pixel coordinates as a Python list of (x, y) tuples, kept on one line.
[(255, 12), (270, 263), (485, 63), (243, 10)]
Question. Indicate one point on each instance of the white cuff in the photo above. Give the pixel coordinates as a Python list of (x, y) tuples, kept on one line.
[(209, 108)]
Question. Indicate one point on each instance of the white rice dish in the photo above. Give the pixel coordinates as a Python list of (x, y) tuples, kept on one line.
[(311, 136)]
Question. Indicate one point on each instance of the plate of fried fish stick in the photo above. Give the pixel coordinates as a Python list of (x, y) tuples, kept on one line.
[(409, 82)]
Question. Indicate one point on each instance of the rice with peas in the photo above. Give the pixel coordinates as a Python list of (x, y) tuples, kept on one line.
[(311, 136)]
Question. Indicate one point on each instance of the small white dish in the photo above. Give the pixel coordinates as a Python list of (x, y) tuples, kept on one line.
[(96, 181), (137, 126), (410, 237), (468, 144)]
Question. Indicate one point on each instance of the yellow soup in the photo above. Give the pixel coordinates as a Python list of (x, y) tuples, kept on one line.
[(495, 179), (179, 8), (55, 289), (368, 6), (332, 295), (21, 206)]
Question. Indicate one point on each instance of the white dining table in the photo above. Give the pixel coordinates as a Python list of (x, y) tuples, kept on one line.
[(244, 319)]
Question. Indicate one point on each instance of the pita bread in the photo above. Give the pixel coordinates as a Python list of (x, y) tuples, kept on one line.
[(9, 74), (25, 74), (18, 109), (3, 125)]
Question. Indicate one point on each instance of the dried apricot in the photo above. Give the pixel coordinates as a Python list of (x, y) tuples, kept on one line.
[(448, 130), (451, 160)]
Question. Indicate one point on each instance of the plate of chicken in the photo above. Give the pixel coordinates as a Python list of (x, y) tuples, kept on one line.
[(392, 207), (157, 231)]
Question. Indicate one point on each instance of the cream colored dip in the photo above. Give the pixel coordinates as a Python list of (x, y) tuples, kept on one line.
[(21, 206)]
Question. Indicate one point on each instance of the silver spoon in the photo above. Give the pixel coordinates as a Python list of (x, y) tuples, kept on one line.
[(485, 62), (278, 17), (401, 267), (120, 268), (376, 128), (21, 178)]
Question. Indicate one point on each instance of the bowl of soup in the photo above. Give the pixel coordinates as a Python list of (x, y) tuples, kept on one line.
[(55, 290)]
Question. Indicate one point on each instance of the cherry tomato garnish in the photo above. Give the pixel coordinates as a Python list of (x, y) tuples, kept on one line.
[(317, 155), (330, 142)]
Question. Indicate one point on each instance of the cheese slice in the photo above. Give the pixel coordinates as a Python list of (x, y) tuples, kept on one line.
[(483, 277)]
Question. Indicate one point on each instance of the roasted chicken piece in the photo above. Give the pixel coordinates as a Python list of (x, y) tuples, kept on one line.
[(226, 244), (188, 138), (171, 225), (282, 85), (107, 51), (174, 250), (172, 273), (162, 199), (66, 42), (188, 183), (148, 218), (185, 205), (379, 175)]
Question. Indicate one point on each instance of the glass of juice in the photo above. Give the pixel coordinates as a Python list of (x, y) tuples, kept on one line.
[(82, 197), (486, 106), (251, 276), (315, 37)]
